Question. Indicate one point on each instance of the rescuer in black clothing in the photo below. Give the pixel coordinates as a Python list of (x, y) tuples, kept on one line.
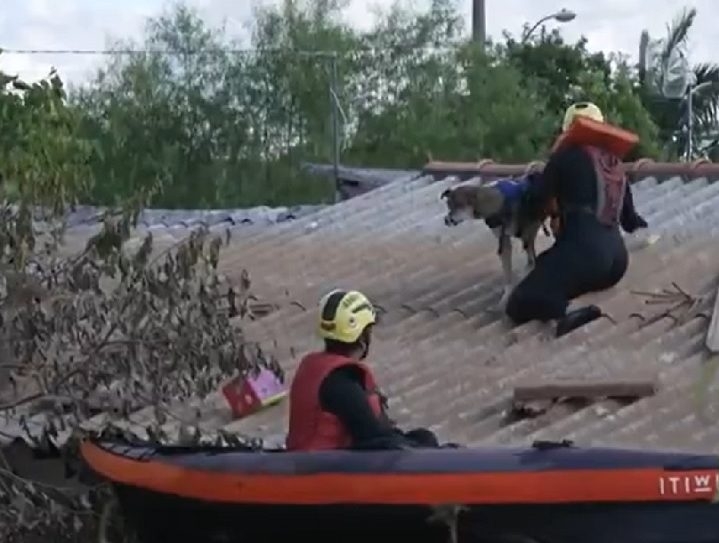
[(337, 382), (342, 395), (589, 253)]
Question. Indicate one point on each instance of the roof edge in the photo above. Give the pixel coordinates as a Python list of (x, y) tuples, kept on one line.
[(644, 167)]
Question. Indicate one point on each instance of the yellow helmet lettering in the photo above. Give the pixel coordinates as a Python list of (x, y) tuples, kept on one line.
[(349, 299)]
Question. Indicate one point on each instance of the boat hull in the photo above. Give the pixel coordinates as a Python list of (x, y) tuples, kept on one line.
[(522, 495), (162, 518)]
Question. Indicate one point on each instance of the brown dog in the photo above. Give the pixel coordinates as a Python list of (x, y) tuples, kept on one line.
[(501, 206)]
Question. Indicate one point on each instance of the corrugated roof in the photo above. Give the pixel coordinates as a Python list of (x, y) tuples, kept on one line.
[(446, 360), (163, 218), (168, 226)]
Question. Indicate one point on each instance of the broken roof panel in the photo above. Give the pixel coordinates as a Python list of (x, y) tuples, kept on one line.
[(449, 361)]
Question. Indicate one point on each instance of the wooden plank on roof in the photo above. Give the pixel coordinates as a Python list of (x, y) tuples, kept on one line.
[(590, 390)]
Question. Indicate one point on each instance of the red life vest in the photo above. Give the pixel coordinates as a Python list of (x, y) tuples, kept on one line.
[(311, 428), (606, 145), (611, 185)]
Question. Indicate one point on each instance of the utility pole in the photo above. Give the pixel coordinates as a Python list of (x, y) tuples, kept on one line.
[(479, 22), (334, 112)]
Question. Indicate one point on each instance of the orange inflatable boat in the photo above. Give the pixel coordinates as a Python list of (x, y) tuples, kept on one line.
[(550, 493)]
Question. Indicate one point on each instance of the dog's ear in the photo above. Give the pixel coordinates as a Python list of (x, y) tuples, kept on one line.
[(445, 194)]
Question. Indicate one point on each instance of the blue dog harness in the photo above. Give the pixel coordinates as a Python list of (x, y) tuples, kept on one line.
[(513, 191)]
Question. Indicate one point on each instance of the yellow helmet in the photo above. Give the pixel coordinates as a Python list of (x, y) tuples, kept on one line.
[(344, 315), (582, 109)]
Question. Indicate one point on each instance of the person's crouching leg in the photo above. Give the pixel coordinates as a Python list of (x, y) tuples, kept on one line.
[(536, 298)]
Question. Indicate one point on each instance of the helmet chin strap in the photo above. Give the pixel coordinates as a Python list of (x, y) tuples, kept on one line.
[(364, 343)]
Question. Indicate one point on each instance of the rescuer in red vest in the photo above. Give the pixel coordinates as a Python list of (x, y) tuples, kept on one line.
[(594, 199), (334, 399)]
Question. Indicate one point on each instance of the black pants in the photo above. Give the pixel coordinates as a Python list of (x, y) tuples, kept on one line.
[(419, 438), (422, 438), (586, 257)]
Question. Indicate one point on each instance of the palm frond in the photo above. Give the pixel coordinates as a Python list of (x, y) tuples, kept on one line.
[(706, 72), (706, 100), (678, 31)]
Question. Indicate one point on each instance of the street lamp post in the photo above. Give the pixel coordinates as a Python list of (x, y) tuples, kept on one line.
[(479, 22), (562, 16)]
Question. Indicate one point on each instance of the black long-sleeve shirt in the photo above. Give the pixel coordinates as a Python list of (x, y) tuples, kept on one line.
[(571, 177), (342, 393)]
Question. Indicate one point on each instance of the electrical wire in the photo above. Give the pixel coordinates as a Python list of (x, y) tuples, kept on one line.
[(299, 52), (103, 52)]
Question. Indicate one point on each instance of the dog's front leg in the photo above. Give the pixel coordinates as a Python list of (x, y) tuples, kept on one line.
[(529, 235), (505, 255), (531, 254)]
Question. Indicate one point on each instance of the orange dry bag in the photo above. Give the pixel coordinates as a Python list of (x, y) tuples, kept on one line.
[(585, 131)]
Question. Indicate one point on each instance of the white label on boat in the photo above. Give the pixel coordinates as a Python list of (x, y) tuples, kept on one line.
[(699, 484)]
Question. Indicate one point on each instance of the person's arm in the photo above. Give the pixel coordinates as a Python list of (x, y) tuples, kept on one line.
[(343, 395), (629, 218), (543, 186), (546, 187)]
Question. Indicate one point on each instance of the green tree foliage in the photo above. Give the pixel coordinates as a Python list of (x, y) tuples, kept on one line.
[(662, 62), (287, 82), (222, 128), (566, 73), (557, 66), (218, 127), (419, 98), (40, 136), (164, 118), (109, 330)]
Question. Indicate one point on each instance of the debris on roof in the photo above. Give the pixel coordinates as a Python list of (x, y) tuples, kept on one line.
[(543, 399), (674, 303)]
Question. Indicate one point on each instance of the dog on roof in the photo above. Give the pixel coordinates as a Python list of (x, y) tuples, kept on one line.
[(509, 209)]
